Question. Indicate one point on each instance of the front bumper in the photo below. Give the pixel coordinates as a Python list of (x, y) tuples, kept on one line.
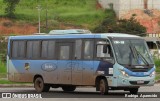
[(132, 81)]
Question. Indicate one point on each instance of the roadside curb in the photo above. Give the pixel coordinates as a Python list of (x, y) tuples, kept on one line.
[(16, 85)]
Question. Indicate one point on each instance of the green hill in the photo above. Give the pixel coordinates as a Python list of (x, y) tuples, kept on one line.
[(79, 13)]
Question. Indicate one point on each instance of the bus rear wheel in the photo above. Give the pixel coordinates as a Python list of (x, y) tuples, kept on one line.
[(68, 88), (103, 86), (133, 90), (40, 86)]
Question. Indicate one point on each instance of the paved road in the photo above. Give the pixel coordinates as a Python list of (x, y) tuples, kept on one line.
[(88, 94)]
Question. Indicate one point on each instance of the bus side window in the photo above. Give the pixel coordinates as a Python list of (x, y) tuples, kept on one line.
[(29, 49), (48, 49), (51, 49), (64, 52), (44, 52), (104, 51), (78, 49), (36, 49), (108, 50), (33, 49), (88, 49), (21, 48), (18, 49), (14, 49)]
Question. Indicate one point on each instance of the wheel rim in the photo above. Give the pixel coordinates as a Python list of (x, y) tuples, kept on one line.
[(102, 86), (39, 85)]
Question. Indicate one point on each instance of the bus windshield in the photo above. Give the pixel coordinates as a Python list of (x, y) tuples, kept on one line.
[(132, 52)]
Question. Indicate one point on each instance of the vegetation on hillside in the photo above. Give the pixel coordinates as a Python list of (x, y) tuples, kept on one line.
[(60, 14), (3, 52), (64, 14), (113, 25), (10, 9)]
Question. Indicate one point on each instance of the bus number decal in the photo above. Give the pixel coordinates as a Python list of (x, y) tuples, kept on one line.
[(118, 42)]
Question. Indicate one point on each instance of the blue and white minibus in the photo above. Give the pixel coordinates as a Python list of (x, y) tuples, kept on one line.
[(106, 61)]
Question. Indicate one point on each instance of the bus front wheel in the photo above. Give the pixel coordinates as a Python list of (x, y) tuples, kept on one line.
[(40, 86), (68, 88), (103, 86)]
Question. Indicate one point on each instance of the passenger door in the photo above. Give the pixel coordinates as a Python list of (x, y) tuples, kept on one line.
[(88, 62), (77, 64), (65, 51)]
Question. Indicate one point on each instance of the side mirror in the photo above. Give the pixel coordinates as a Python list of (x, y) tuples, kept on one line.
[(105, 48)]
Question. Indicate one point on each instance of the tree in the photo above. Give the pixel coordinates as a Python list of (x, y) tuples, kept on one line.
[(10, 9), (130, 26), (107, 24), (113, 25), (3, 49)]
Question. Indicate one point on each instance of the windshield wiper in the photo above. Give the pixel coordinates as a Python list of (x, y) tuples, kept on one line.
[(134, 55), (143, 58)]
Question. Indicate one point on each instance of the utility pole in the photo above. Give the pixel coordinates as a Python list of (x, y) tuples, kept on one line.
[(39, 18), (46, 17)]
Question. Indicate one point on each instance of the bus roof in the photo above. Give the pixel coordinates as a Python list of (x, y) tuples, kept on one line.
[(48, 36)]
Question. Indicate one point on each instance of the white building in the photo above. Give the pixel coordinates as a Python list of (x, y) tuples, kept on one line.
[(121, 7)]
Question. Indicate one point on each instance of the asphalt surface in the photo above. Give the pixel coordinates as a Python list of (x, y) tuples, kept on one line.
[(85, 94)]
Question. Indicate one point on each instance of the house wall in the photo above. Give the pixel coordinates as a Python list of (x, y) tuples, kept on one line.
[(123, 6)]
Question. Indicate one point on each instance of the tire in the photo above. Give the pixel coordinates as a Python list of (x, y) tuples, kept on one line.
[(68, 88), (40, 86), (103, 86), (133, 90)]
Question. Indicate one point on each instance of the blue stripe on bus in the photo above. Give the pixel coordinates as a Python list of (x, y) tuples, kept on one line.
[(43, 37), (138, 74)]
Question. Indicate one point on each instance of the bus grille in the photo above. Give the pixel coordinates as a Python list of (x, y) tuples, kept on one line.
[(135, 82), (139, 69)]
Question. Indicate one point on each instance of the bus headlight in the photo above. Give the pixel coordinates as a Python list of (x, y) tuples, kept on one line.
[(152, 74), (124, 73)]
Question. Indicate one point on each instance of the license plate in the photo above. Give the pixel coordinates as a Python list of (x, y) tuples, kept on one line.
[(140, 82)]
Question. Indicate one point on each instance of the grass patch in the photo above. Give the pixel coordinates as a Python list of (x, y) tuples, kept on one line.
[(10, 82), (6, 82), (157, 64), (157, 76), (3, 68)]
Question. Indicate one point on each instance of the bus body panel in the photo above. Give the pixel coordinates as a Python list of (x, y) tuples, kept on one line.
[(72, 71)]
